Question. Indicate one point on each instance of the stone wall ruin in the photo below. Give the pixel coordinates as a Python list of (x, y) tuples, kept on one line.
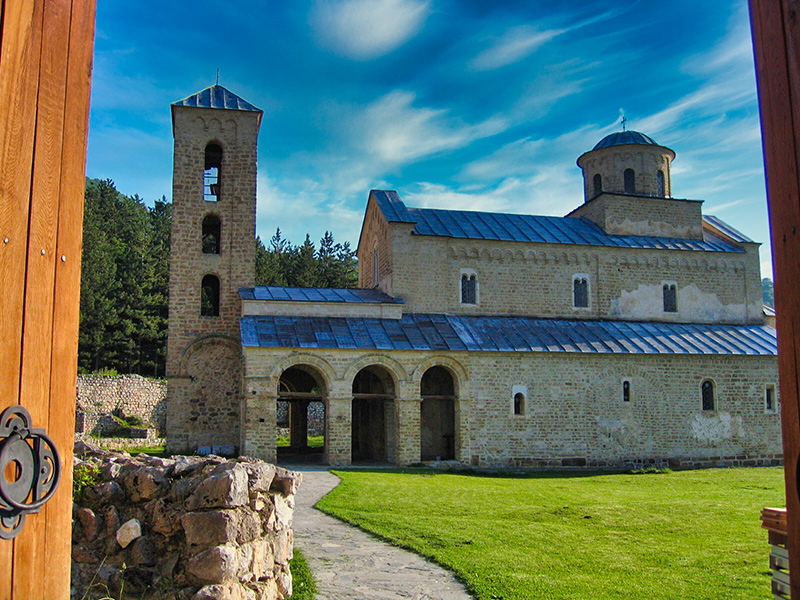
[(181, 528)]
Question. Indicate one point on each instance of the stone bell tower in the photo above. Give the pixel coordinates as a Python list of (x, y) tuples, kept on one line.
[(212, 255)]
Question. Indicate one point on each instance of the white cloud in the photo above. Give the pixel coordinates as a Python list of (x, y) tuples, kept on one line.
[(364, 29), (396, 132), (514, 45)]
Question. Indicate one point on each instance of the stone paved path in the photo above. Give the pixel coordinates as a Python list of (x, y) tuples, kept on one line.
[(349, 564)]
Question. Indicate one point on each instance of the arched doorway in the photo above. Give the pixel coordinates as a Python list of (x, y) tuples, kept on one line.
[(301, 412), (438, 417), (373, 415)]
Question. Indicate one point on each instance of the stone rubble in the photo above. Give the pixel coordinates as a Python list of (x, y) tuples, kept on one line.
[(182, 528)]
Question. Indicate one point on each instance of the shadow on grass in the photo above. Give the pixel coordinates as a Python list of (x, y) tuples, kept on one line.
[(577, 473)]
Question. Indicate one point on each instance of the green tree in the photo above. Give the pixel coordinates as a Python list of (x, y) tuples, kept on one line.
[(767, 292)]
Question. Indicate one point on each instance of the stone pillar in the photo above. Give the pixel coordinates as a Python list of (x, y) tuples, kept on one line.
[(408, 430), (259, 417), (298, 425), (338, 431)]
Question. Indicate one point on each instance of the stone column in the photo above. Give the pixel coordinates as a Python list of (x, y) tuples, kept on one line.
[(338, 431), (259, 416), (408, 430)]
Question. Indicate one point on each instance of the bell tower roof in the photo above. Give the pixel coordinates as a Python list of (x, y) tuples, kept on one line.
[(216, 96)]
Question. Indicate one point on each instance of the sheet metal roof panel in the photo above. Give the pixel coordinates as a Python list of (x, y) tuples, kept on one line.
[(511, 334), (216, 96), (542, 229), (393, 209), (731, 232), (297, 294)]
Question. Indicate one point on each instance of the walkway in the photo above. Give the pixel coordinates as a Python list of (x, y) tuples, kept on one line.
[(349, 564)]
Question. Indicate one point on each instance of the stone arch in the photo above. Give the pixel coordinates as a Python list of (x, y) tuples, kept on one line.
[(213, 369), (461, 379), (396, 370), (212, 339), (325, 369), (374, 430)]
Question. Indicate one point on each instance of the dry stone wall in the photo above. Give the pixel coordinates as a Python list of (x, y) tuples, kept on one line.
[(181, 528), (100, 396)]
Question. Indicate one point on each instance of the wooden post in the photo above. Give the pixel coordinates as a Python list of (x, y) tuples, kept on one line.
[(45, 73), (776, 38)]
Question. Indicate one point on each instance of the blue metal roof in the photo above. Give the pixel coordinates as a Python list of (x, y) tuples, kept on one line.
[(624, 137), (391, 206), (550, 230), (436, 332), (723, 227), (216, 96), (297, 294), (466, 224)]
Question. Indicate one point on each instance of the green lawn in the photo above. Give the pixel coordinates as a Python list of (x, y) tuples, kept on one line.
[(303, 586), (314, 441), (684, 535)]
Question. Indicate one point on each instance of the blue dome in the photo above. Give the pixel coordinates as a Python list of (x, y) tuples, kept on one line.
[(624, 137)]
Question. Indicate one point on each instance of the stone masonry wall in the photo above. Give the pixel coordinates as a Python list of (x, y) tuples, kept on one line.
[(517, 278), (183, 528), (574, 413), (98, 396)]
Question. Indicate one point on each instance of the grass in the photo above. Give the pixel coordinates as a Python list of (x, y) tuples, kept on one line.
[(303, 586), (690, 535), (314, 441)]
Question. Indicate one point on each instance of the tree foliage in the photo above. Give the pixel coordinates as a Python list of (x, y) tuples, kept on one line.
[(281, 263), (124, 282), (767, 292)]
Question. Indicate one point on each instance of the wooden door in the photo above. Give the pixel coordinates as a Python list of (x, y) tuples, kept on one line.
[(45, 72), (776, 37)]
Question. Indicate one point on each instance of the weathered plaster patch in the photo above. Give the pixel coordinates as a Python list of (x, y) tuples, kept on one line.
[(647, 302), (713, 429), (653, 228)]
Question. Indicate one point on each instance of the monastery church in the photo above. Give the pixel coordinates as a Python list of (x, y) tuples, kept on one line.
[(629, 332)]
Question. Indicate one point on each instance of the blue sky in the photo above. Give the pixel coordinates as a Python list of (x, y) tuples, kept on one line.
[(464, 105)]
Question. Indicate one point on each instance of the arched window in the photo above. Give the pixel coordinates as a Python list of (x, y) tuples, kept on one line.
[(212, 172), (580, 291), (211, 234), (375, 264), (469, 288), (709, 396), (209, 296), (519, 403), (661, 188), (670, 292), (630, 181), (626, 390), (598, 184)]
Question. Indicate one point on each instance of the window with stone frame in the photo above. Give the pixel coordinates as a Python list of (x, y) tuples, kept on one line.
[(626, 390), (598, 184), (708, 394), (629, 178), (662, 191), (212, 172), (670, 293), (580, 290), (469, 288)]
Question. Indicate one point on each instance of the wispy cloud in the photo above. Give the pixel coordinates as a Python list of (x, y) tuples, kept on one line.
[(364, 29), (396, 132), (514, 45)]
